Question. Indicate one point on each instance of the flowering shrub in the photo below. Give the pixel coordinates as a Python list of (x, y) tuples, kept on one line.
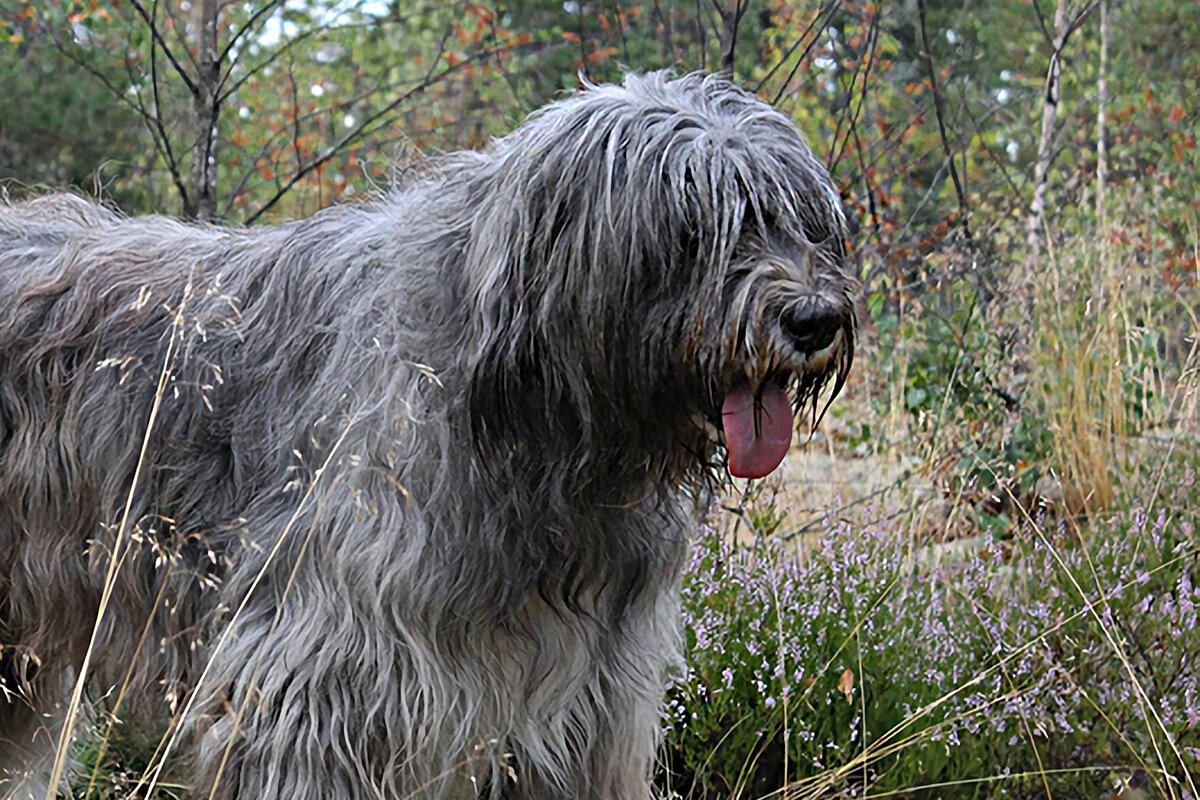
[(858, 664)]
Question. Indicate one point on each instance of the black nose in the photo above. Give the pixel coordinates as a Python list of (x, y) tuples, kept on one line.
[(811, 326)]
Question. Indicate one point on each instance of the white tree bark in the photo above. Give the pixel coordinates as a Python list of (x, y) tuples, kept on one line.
[(1102, 124), (1035, 225), (1100, 280)]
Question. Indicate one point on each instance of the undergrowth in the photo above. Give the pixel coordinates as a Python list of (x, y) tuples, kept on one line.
[(1044, 664)]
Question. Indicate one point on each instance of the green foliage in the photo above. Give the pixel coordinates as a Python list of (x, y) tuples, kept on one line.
[(948, 359), (115, 762), (60, 129)]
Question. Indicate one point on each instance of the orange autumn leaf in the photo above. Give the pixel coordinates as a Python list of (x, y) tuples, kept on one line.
[(602, 54), (846, 685), (568, 36)]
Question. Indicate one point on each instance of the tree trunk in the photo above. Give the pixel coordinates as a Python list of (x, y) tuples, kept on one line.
[(1101, 125), (731, 20), (205, 110), (1100, 279), (1037, 210)]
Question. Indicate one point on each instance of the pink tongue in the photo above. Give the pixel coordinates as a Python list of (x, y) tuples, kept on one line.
[(756, 450)]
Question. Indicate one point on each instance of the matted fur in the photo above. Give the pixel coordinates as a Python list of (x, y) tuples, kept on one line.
[(413, 503)]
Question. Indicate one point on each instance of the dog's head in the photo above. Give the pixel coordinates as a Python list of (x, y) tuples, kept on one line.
[(662, 262)]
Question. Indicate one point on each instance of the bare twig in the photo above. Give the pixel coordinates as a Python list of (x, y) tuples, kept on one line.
[(619, 15), (664, 21), (247, 74), (363, 129), (851, 112), (872, 211), (814, 28), (998, 162), (153, 125), (255, 18), (158, 38), (1034, 228), (172, 162), (582, 34), (927, 54), (206, 108), (732, 23), (291, 74)]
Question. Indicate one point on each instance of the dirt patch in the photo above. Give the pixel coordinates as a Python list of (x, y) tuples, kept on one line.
[(817, 480)]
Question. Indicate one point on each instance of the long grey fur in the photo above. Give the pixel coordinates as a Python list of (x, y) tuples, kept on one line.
[(413, 502)]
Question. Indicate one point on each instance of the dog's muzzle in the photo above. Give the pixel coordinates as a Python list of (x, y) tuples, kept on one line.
[(758, 420)]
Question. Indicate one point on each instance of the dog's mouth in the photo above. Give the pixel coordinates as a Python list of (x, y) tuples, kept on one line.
[(758, 428), (758, 415)]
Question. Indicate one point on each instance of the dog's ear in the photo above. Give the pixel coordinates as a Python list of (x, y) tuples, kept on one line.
[(583, 230), (515, 389)]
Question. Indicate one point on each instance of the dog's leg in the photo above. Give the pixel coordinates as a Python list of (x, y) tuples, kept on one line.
[(343, 715), (614, 765), (621, 758), (286, 731), (602, 744)]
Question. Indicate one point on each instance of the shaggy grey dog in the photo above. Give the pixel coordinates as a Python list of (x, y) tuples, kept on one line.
[(392, 502)]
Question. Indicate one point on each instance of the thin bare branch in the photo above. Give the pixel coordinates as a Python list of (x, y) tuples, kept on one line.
[(927, 53), (258, 16), (364, 128), (664, 21), (248, 74), (1045, 153), (347, 103), (152, 24), (206, 110), (160, 126), (134, 101), (732, 23), (815, 27), (851, 112), (291, 74), (619, 15)]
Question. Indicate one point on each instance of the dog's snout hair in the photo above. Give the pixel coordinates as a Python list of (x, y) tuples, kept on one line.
[(408, 519)]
